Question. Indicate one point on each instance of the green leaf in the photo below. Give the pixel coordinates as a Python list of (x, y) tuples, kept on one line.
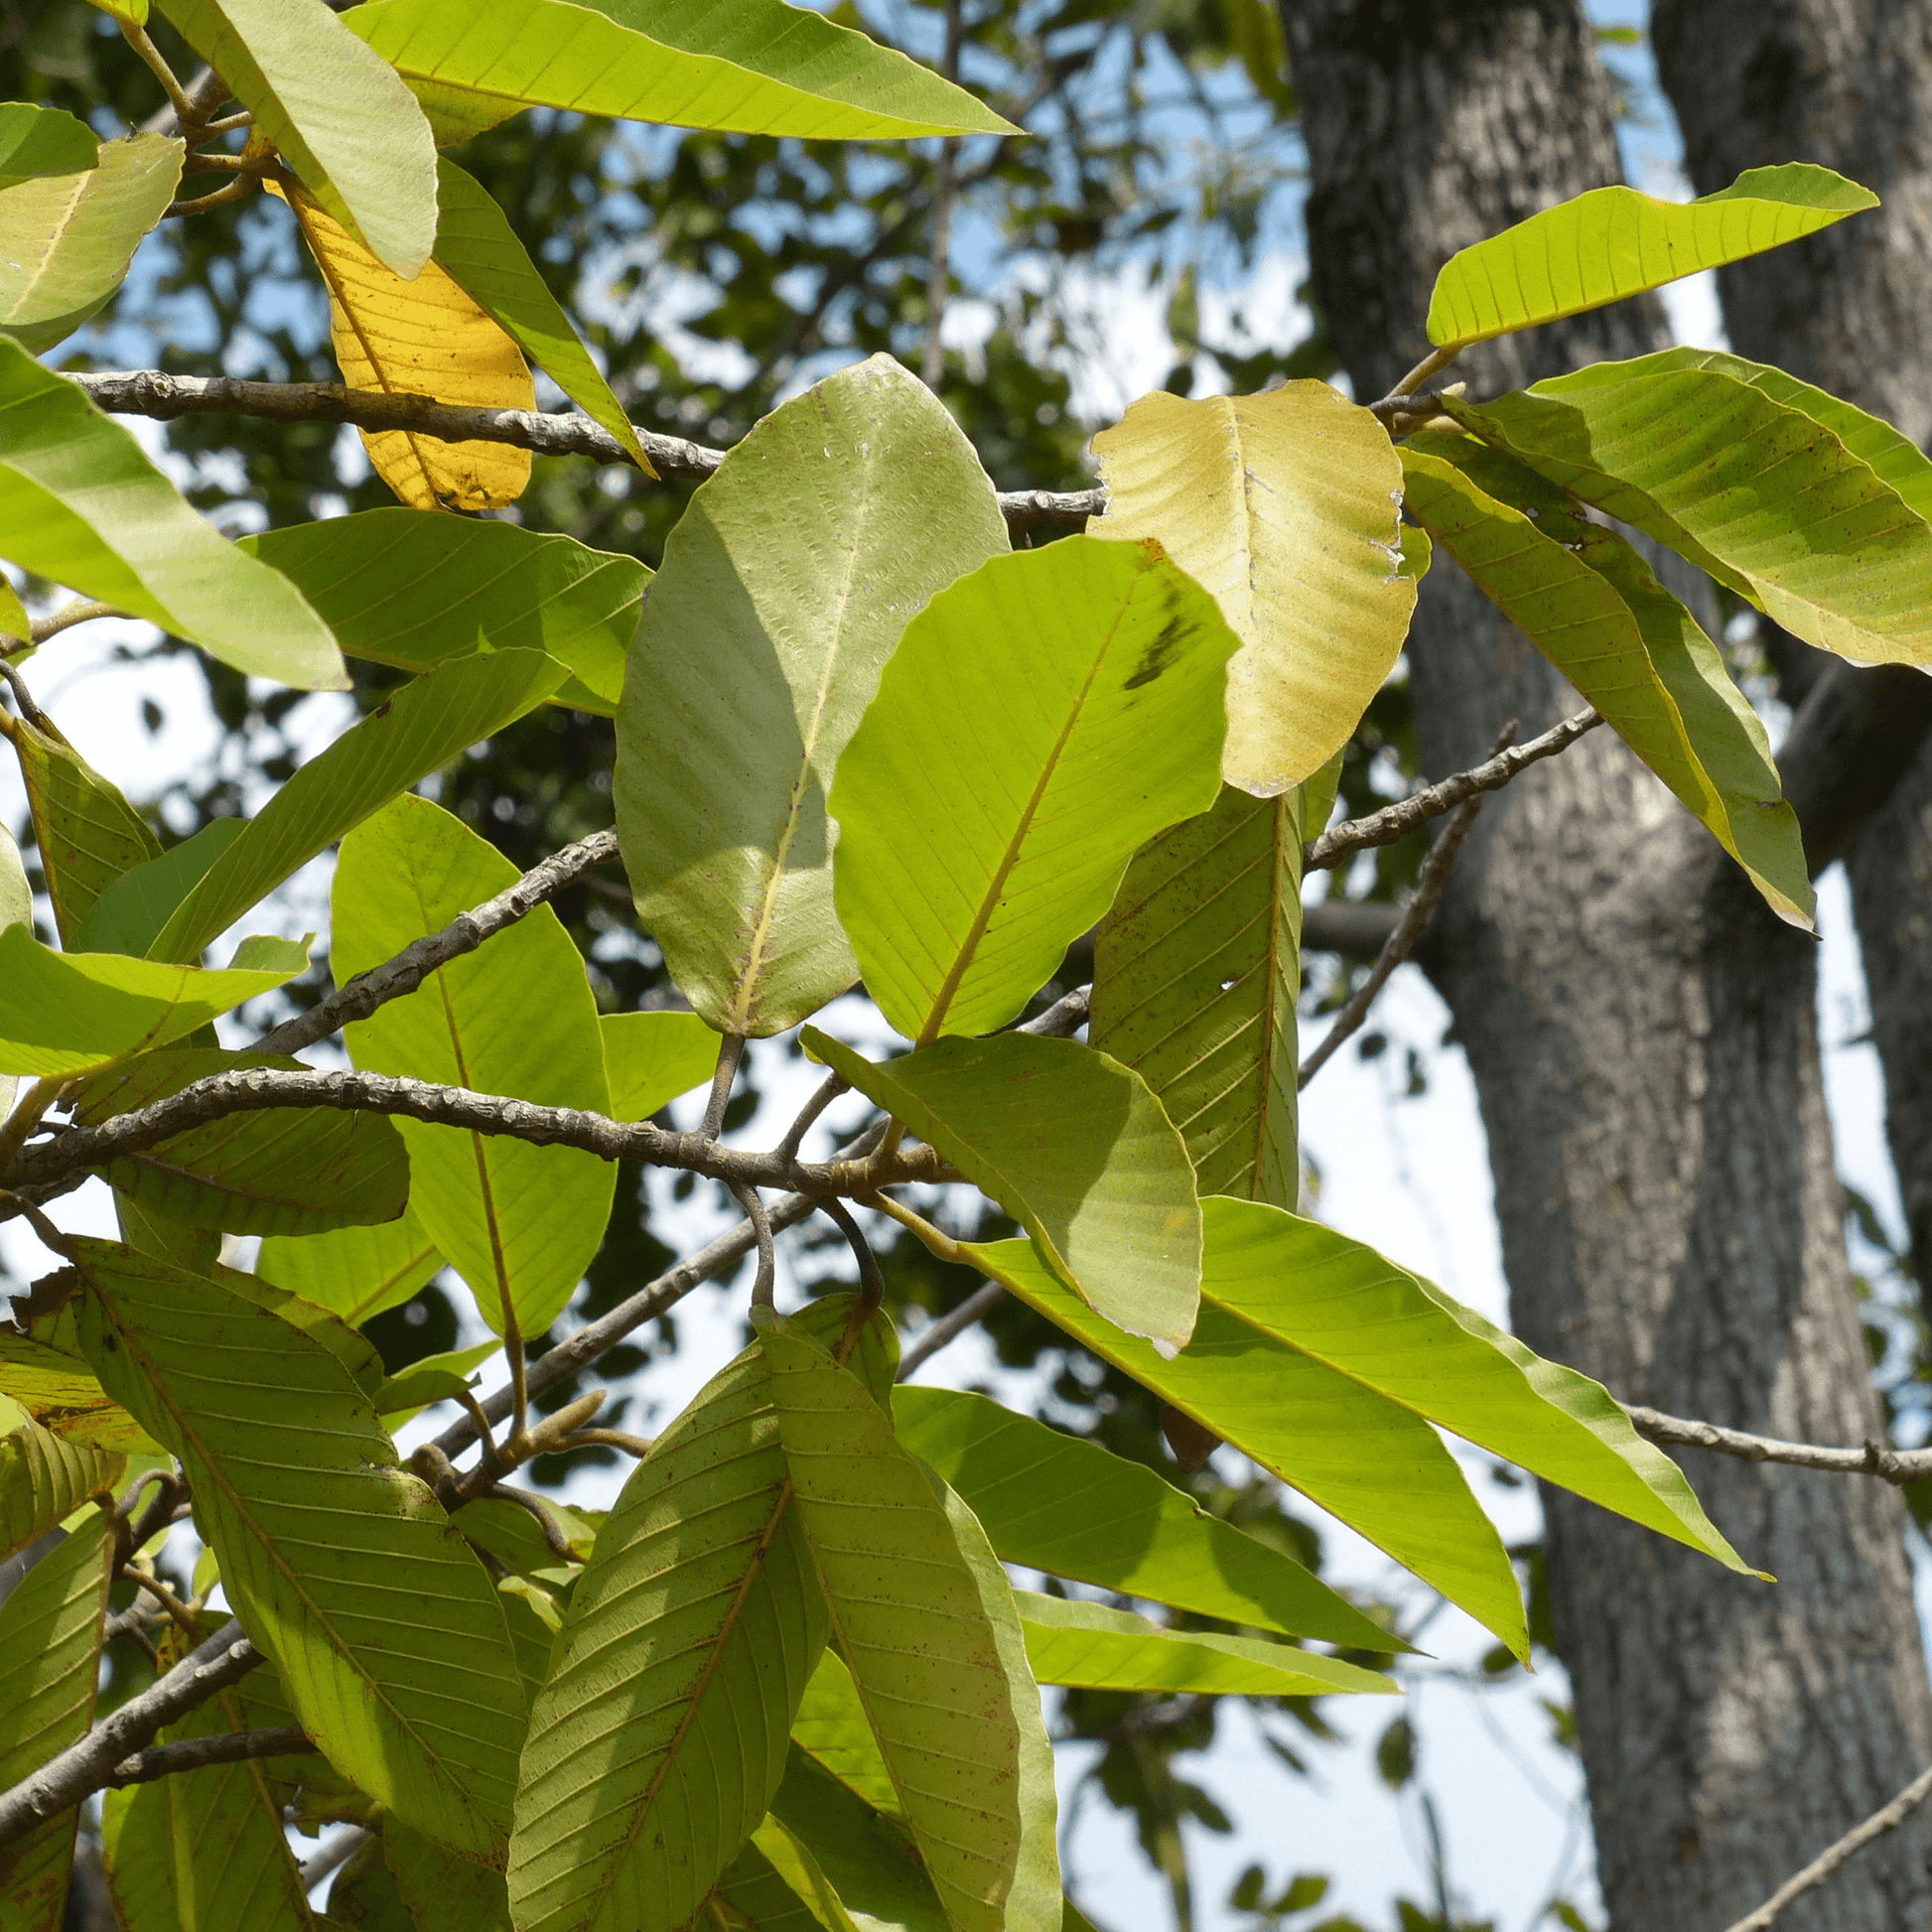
[(652, 1057), (196, 1249), (355, 1352), (746, 66), (137, 1849), (1613, 241), (1053, 1502), (1073, 1146), (82, 504), (296, 1487), (982, 825), (43, 1373), (286, 1170), (801, 1876), (36, 141), (417, 588), (338, 114), (70, 1013), (868, 1857), (831, 1729), (512, 1536), (657, 1744), (1284, 506), (129, 916), (1589, 602), (1196, 969), (907, 1613), (408, 736), (45, 1478), (65, 240), (364, 1894), (520, 1223), (355, 1272), (1758, 494), (1098, 1648), (50, 1651), (16, 909), (785, 589), (436, 1378), (444, 1893), (14, 620), (477, 245)]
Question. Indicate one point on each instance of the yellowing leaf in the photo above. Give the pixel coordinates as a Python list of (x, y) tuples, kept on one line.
[(423, 338), (1283, 507)]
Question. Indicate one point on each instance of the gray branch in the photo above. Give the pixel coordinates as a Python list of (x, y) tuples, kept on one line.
[(1873, 1460), (197, 1754)]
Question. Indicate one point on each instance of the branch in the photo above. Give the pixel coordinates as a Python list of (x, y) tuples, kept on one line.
[(949, 1327), (1875, 1459), (1406, 814), (63, 1781), (1828, 1862), (194, 1753), (149, 392)]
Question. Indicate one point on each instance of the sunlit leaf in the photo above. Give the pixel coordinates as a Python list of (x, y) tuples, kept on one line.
[(868, 1857), (831, 1729), (36, 141), (138, 1852), (652, 1057), (45, 1374), (44, 1477), (443, 1892), (355, 1272), (16, 909), (130, 915)]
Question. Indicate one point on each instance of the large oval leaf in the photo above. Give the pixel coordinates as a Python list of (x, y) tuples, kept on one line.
[(40, 141), (353, 1272), (652, 1057), (1613, 241), (1284, 507), (983, 822), (784, 591)]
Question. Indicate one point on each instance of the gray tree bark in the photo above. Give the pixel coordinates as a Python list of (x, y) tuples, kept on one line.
[(1641, 1034)]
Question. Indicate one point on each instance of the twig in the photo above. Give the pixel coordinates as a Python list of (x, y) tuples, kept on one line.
[(333, 1856), (945, 187), (84, 609), (237, 189), (197, 1754), (827, 1091), (1428, 892), (50, 1236), (949, 1327), (871, 1284), (1829, 1861), (553, 1534), (23, 697), (1064, 1018), (64, 1779), (1406, 814), (764, 1285), (730, 1049), (1873, 1460), (617, 1439), (1401, 399), (136, 36)]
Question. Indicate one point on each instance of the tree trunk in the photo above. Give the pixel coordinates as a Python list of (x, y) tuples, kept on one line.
[(1641, 1034)]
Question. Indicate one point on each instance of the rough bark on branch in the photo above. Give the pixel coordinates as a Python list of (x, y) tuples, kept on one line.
[(197, 1754), (1873, 1460)]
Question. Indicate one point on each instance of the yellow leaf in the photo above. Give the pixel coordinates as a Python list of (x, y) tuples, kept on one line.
[(423, 338), (1284, 507)]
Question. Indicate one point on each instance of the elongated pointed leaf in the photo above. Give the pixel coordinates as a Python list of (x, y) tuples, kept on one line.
[(384, 1625), (50, 1656), (1106, 1649), (520, 1223), (138, 1852), (82, 504), (1073, 1146), (754, 1893), (363, 1895), (801, 1876), (421, 728), (784, 590), (39, 141), (1760, 495), (870, 1857), (1591, 604), (338, 114), (415, 588), (907, 1616), (16, 909), (1370, 1462), (45, 1374), (748, 67), (1196, 969), (444, 1893), (1284, 507), (129, 916), (831, 1729), (1054, 1502), (423, 336), (982, 824), (652, 1057), (45, 1478), (65, 240), (293, 1170), (69, 1012), (1612, 243), (355, 1272)]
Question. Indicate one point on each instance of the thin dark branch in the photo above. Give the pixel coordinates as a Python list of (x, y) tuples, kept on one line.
[(827, 1091), (949, 1327), (871, 1284), (730, 1051), (1873, 1460), (197, 1754), (764, 1285), (1406, 814), (1064, 1018)]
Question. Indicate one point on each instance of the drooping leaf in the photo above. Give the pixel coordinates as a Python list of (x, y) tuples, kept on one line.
[(831, 1729), (520, 1223), (129, 916), (38, 141), (69, 1012), (868, 1857), (652, 1057), (444, 1893), (45, 1478), (750, 66), (1196, 969), (1073, 1146), (1054, 1502), (415, 588), (983, 826), (784, 591), (1284, 507), (355, 1272), (50, 1652), (384, 1626), (767, 1896), (1592, 607), (801, 1876), (44, 1373), (421, 337), (1106, 1649), (1612, 242), (337, 114), (906, 1615), (1757, 493), (65, 240), (82, 504), (287, 1171), (421, 728)]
